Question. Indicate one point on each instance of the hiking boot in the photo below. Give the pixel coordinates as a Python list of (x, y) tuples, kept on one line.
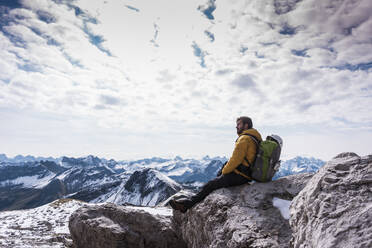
[(178, 206)]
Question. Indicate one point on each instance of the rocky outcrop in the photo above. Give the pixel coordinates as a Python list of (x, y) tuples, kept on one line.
[(110, 225), (332, 208), (335, 208), (242, 216)]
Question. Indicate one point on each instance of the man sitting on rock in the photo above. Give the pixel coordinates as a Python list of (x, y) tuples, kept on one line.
[(234, 172)]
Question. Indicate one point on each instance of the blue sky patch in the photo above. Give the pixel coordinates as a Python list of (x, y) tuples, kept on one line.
[(6, 81), (132, 8), (96, 40), (243, 49), (210, 35), (199, 53), (78, 11), (73, 62), (357, 67), (17, 41), (50, 41), (11, 3), (28, 67), (5, 20), (287, 30), (53, 42), (208, 11), (45, 16), (301, 53)]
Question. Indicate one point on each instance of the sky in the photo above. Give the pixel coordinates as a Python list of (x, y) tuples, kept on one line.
[(129, 79)]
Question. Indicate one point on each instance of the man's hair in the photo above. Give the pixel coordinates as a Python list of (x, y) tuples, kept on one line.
[(245, 120)]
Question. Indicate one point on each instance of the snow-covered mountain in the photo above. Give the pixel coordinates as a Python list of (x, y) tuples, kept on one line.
[(143, 188), (184, 171), (299, 165), (32, 184), (141, 182), (28, 158)]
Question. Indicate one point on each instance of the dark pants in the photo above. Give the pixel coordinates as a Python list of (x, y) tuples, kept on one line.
[(223, 181)]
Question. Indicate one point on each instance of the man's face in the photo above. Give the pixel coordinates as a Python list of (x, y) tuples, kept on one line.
[(240, 127)]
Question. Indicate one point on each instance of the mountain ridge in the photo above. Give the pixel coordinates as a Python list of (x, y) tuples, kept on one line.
[(26, 184)]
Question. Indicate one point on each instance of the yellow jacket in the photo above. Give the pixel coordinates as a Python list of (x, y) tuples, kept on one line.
[(245, 147)]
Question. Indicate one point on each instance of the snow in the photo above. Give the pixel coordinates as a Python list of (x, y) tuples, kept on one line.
[(29, 181), (155, 211), (283, 206), (297, 169), (166, 179), (197, 184), (153, 200), (108, 168), (179, 172), (64, 174), (38, 227)]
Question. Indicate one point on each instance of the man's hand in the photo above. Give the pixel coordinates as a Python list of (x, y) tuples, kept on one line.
[(219, 173)]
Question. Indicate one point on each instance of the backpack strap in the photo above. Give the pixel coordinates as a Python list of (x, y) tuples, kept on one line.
[(253, 137)]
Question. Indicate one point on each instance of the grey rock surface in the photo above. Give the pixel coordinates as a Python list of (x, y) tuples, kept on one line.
[(110, 225), (242, 216), (335, 208)]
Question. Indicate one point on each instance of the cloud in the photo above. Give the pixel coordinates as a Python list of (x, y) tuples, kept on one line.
[(188, 63), (110, 100), (165, 76), (284, 6), (244, 82)]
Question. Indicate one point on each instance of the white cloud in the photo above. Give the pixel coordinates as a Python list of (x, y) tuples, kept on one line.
[(154, 80)]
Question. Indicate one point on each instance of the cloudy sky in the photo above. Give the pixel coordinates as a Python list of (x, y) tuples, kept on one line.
[(128, 79)]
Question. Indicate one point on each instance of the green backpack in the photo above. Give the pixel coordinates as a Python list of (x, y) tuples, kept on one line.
[(267, 162)]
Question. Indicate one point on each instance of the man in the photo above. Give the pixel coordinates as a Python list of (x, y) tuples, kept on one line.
[(235, 171)]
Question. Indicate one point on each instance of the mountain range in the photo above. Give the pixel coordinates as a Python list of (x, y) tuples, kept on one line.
[(28, 182)]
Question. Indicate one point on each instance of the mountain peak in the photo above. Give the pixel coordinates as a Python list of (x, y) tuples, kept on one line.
[(178, 158)]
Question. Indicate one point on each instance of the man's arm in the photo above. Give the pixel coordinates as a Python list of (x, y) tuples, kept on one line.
[(219, 173), (237, 157)]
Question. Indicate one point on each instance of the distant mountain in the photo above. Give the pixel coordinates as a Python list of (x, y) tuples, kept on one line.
[(89, 161), (30, 184), (183, 171), (143, 188), (140, 182), (299, 165), (28, 158)]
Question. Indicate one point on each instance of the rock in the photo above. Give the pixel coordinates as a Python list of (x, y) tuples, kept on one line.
[(335, 208), (110, 225), (242, 216)]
